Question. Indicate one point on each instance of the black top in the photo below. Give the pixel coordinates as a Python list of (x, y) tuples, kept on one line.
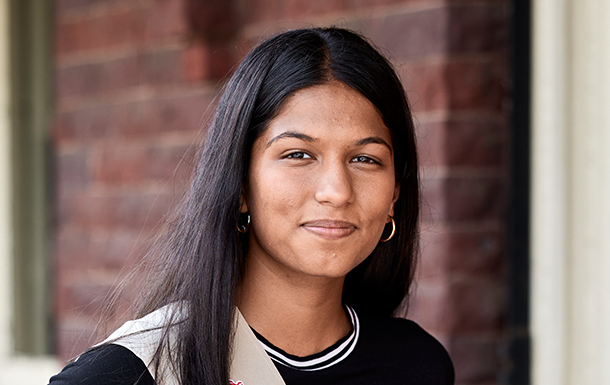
[(387, 351), (109, 364), (320, 361), (377, 351)]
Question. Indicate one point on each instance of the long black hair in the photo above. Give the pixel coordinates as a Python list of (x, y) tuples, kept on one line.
[(201, 257)]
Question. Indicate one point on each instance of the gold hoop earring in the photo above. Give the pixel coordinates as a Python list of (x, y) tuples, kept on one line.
[(241, 227), (393, 231)]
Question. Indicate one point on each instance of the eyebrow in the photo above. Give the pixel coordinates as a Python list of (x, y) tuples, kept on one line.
[(307, 138), (375, 140), (291, 134)]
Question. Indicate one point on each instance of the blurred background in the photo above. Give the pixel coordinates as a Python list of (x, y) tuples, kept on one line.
[(101, 100)]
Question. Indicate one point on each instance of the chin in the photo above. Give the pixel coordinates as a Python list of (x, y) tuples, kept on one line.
[(329, 270)]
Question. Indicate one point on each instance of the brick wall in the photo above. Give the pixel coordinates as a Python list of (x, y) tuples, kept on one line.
[(131, 90), (134, 79)]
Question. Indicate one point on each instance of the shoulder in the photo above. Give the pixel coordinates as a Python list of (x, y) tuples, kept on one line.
[(144, 336), (107, 364), (403, 341), (127, 354), (403, 332)]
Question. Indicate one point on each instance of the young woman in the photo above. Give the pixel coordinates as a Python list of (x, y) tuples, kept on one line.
[(297, 240)]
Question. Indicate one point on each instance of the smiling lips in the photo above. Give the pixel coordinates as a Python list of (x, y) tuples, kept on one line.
[(330, 229)]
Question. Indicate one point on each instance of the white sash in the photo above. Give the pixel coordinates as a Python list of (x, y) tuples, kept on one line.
[(250, 364)]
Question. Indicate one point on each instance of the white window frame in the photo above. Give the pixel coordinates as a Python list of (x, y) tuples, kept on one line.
[(570, 275), (15, 369)]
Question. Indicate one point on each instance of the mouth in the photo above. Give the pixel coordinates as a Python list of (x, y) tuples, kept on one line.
[(330, 229)]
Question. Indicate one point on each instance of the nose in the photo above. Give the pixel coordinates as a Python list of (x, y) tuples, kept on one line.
[(335, 185)]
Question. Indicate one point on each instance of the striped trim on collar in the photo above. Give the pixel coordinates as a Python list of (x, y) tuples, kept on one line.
[(327, 358)]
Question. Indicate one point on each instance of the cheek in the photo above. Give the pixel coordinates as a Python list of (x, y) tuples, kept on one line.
[(377, 197), (275, 195), (274, 201)]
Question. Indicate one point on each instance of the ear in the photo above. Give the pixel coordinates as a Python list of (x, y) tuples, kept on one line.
[(243, 205), (394, 199)]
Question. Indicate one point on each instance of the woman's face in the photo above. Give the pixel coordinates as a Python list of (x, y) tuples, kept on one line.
[(321, 184)]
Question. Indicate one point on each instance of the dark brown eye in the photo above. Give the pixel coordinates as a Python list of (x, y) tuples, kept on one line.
[(298, 155), (363, 159)]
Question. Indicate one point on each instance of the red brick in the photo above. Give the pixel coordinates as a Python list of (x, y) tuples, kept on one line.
[(445, 29), (124, 165), (434, 265), (433, 205), (63, 5), (476, 84), (255, 11), (182, 112), (477, 306), (478, 28), (451, 308), (77, 331), (476, 198), (368, 4), (195, 62), (86, 125), (425, 86), (215, 20), (270, 11), (109, 30), (91, 78), (464, 84), (72, 169), (88, 297), (471, 252), (161, 66), (302, 8), (158, 67), (122, 311), (133, 211), (74, 338), (475, 358), (410, 35), (454, 199), (61, 297), (222, 60), (80, 249), (429, 305), (478, 252), (130, 25), (166, 19), (466, 142)]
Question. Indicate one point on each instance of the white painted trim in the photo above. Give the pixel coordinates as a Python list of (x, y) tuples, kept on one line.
[(549, 195), (570, 307), (15, 370), (5, 190), (589, 348), (28, 370)]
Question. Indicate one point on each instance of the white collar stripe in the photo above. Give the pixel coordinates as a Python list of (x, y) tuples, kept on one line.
[(331, 358), (310, 362)]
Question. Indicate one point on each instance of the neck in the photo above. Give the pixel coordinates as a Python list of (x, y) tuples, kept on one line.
[(300, 315)]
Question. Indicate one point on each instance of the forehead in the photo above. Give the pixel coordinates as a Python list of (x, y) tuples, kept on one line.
[(331, 110)]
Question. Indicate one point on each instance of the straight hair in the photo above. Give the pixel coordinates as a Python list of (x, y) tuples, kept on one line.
[(200, 259)]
